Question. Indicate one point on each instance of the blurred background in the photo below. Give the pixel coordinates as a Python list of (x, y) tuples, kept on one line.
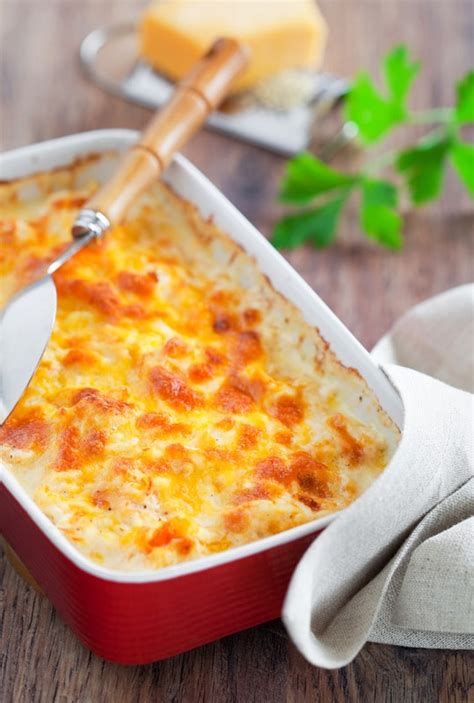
[(45, 94)]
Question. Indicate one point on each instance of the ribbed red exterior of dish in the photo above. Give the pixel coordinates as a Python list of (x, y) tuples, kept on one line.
[(137, 623)]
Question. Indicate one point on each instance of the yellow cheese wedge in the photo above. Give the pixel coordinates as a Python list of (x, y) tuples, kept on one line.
[(281, 34)]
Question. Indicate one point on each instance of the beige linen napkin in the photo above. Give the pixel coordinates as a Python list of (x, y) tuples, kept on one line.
[(398, 565)]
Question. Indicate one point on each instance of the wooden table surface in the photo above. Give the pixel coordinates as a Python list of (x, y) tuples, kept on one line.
[(44, 95)]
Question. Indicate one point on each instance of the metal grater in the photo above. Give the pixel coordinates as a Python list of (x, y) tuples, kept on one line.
[(285, 132)]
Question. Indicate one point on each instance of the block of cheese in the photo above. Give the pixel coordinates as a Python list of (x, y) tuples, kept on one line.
[(281, 34)]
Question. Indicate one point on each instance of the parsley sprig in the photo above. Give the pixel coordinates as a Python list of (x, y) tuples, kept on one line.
[(321, 192)]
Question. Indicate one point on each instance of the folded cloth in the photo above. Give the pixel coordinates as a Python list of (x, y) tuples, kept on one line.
[(397, 566)]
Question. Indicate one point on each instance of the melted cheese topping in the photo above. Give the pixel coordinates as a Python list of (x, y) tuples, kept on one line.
[(182, 406)]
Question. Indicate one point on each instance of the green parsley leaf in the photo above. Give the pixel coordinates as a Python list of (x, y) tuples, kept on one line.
[(465, 99), (307, 176), (371, 112), (317, 225), (384, 225), (423, 167), (377, 192), (462, 157), (375, 112), (379, 219), (400, 72)]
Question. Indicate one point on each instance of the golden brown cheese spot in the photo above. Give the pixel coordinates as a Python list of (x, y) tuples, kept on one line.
[(284, 438), (101, 500), (177, 451), (353, 447), (122, 465), (7, 231), (311, 475), (76, 342), (238, 394), (161, 422), (289, 410), (162, 536), (175, 348), (215, 357), (93, 443), (151, 420), (68, 449), (247, 437), (236, 521), (7, 242), (172, 387), (167, 532), (75, 449), (98, 294), (308, 501), (219, 454), (69, 202), (247, 347), (273, 468), (40, 227), (79, 357), (159, 467), (227, 423), (176, 460), (224, 322), (134, 311), (258, 492), (142, 285), (184, 546), (198, 373), (222, 297), (252, 316), (87, 398), (27, 432)]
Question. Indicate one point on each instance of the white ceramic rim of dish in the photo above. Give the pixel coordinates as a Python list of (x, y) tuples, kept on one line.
[(192, 185)]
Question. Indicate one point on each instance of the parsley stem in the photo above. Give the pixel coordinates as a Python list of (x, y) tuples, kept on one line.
[(389, 157), (378, 164), (440, 114)]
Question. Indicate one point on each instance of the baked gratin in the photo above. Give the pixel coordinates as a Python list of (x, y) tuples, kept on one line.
[(183, 406)]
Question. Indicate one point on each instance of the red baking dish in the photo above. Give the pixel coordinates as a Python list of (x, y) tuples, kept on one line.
[(139, 617)]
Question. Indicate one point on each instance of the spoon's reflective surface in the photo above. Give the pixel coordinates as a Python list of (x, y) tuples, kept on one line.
[(26, 324)]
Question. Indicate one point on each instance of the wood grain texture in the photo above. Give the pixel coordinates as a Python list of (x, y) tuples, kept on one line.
[(43, 94)]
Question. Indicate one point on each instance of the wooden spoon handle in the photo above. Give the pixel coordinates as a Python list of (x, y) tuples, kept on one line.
[(195, 97)]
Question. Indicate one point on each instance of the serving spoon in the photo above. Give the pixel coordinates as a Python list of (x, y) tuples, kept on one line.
[(27, 320)]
